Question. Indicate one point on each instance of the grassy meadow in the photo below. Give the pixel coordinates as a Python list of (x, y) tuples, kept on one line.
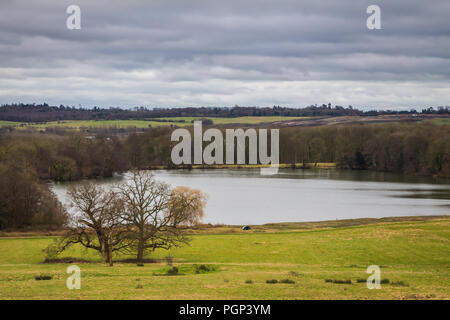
[(444, 121), (176, 121), (310, 259), (9, 123)]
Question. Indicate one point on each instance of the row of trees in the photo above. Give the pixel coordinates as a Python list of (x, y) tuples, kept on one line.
[(134, 217), (25, 202), (406, 148), (43, 112), (409, 148), (67, 157)]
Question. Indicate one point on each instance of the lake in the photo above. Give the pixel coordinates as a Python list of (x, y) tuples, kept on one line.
[(243, 196)]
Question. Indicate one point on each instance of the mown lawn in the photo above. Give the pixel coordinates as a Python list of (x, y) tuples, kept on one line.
[(414, 254)]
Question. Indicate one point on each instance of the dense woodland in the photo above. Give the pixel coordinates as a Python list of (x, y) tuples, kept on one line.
[(29, 158), (43, 112), (25, 201)]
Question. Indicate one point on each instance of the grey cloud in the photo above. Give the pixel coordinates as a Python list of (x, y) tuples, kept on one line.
[(209, 52)]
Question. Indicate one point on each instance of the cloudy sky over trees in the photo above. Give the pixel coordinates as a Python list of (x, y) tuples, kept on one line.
[(222, 53)]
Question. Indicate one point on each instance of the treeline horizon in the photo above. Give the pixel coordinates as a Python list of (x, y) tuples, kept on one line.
[(64, 155), (20, 112)]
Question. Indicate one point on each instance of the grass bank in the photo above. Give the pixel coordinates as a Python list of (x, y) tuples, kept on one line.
[(317, 260)]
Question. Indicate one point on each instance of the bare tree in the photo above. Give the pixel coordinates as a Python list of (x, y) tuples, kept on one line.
[(186, 206), (96, 222), (155, 212), (139, 215)]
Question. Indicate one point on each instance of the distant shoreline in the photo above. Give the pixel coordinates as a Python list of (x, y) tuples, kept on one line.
[(299, 165)]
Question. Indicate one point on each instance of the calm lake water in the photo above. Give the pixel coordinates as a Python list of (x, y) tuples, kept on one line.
[(245, 197)]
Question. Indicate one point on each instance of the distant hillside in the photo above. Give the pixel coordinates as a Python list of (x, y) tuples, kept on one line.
[(43, 112)]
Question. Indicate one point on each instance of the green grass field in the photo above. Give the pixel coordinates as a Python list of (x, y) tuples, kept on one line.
[(9, 123), (445, 121), (415, 255), (77, 124), (175, 121)]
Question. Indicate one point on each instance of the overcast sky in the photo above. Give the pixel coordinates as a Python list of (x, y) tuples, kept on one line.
[(222, 53)]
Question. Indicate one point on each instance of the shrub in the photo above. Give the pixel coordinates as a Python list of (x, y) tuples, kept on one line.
[(43, 277), (382, 281), (248, 281), (289, 281), (172, 271), (399, 283), (343, 281), (140, 264), (203, 268), (272, 281), (339, 281)]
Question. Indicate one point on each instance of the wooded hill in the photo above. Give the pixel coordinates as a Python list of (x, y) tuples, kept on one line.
[(43, 112)]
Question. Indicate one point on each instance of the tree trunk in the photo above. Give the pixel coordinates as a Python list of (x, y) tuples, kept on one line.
[(110, 256), (104, 250), (107, 254), (140, 248)]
